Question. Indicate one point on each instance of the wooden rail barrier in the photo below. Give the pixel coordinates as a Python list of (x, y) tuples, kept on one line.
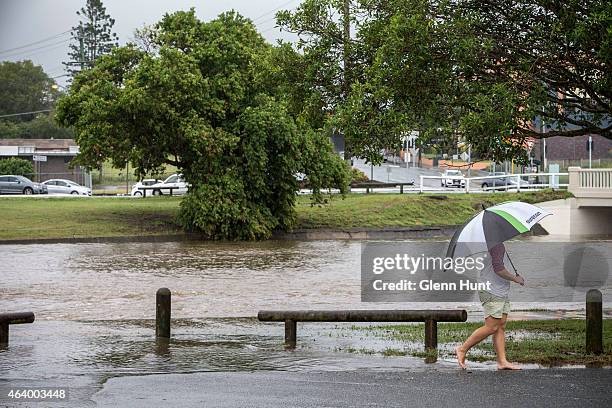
[(430, 317), (6, 319)]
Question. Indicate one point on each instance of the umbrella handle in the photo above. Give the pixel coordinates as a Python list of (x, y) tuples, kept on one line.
[(512, 263)]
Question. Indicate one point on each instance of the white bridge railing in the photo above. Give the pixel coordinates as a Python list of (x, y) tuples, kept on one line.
[(506, 182), (590, 183)]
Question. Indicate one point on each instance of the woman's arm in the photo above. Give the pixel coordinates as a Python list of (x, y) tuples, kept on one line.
[(507, 275)]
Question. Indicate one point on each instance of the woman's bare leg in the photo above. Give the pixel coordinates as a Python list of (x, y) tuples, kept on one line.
[(490, 327), (499, 342)]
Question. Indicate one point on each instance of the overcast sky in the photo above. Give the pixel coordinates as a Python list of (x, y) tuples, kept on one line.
[(23, 22)]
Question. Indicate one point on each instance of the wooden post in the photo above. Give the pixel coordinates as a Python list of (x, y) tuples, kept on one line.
[(431, 334), (290, 333), (163, 312), (594, 339), (401, 189), (6, 319), (4, 334)]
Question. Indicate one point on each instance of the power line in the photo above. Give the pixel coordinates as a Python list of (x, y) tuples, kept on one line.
[(35, 50), (269, 29), (272, 11), (25, 113), (35, 42)]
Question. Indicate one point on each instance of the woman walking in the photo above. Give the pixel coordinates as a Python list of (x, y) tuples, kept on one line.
[(496, 308)]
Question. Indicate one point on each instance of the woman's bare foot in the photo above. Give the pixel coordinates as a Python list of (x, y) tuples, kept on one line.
[(508, 366), (460, 357)]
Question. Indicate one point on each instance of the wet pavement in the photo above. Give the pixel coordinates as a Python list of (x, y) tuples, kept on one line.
[(420, 388)]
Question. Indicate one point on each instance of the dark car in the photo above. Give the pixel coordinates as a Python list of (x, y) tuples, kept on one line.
[(501, 181), (10, 184)]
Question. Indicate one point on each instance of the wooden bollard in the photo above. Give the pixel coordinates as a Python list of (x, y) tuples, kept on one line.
[(431, 335), (594, 334), (4, 333), (290, 333), (162, 313)]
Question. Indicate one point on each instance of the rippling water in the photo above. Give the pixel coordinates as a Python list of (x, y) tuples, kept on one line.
[(119, 281)]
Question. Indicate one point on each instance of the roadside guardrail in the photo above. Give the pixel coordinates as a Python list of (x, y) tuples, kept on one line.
[(371, 185)]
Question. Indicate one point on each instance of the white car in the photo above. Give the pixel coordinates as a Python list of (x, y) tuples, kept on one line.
[(453, 178), (178, 185), (63, 186), (137, 192)]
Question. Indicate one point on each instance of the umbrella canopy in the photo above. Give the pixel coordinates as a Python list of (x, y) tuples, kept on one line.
[(493, 226)]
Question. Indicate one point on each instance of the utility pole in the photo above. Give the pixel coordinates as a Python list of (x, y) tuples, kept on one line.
[(81, 48), (469, 160), (544, 164), (346, 22), (590, 151)]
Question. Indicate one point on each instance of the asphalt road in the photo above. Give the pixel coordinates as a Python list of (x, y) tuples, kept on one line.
[(425, 388)]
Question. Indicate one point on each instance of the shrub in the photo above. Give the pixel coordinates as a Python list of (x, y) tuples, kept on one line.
[(16, 166), (358, 176)]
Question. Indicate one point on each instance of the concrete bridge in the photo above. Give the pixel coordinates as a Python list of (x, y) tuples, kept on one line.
[(589, 213)]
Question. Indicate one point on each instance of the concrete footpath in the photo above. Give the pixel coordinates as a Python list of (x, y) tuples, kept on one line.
[(427, 388)]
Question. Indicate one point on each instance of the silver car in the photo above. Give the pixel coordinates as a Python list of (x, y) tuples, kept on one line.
[(10, 184), (62, 186)]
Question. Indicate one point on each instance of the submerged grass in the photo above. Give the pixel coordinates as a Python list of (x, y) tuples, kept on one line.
[(545, 342), (85, 217)]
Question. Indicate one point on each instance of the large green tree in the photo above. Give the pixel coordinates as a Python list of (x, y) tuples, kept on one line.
[(203, 101), (481, 72), (555, 56), (91, 38), (25, 87), (328, 56)]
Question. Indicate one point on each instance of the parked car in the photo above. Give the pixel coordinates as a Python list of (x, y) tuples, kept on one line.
[(452, 178), (178, 185), (62, 186), (137, 192), (10, 184), (497, 181)]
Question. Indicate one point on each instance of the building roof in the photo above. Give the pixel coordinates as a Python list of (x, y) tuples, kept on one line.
[(40, 144)]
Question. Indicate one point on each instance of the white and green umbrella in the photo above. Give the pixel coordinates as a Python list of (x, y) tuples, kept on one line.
[(493, 226)]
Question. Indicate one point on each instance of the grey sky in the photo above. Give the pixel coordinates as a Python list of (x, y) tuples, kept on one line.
[(26, 21)]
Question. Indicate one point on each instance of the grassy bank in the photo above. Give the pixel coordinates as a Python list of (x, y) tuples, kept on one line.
[(546, 342), (38, 218), (406, 210)]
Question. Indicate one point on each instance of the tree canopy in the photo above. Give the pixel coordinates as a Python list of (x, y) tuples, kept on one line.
[(556, 55), (25, 87), (203, 100), (91, 38), (486, 73)]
